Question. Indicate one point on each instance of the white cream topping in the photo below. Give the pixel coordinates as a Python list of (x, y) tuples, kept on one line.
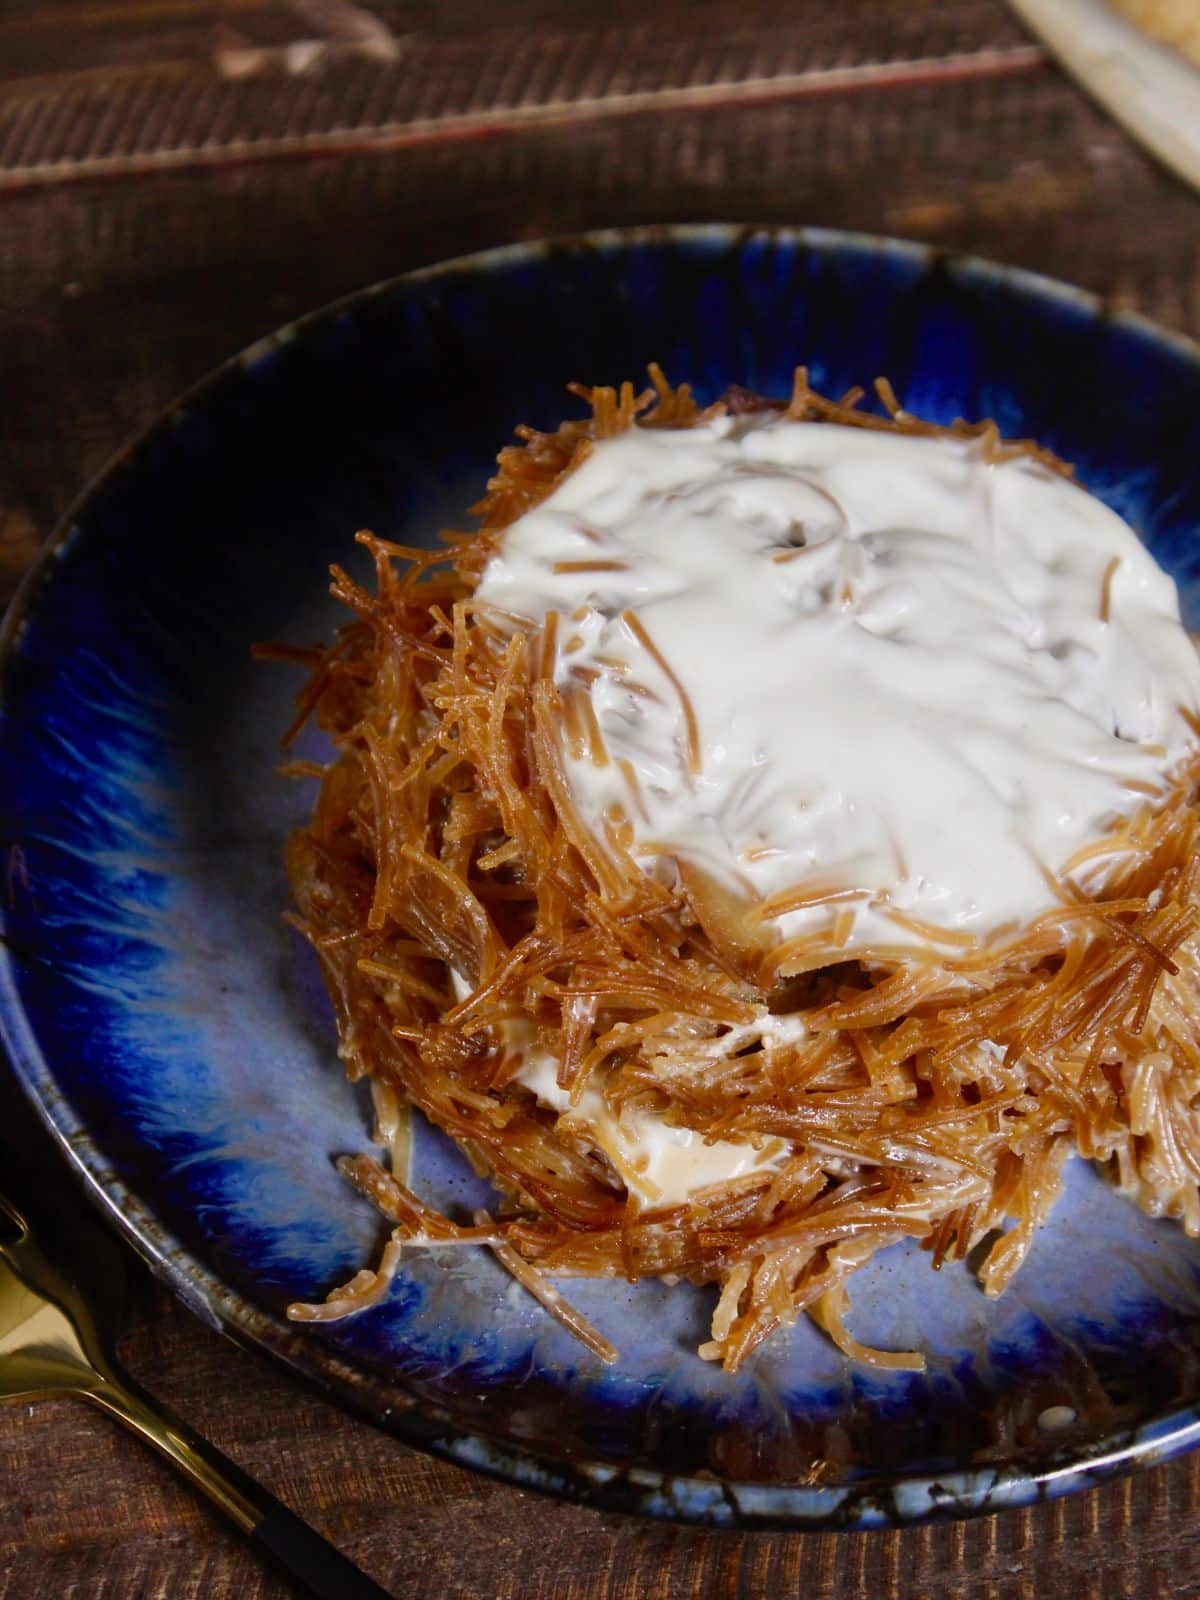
[(915, 674)]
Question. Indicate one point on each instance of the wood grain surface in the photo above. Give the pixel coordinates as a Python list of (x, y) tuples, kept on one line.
[(177, 179)]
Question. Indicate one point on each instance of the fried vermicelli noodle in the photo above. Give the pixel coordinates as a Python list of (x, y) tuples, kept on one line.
[(458, 903)]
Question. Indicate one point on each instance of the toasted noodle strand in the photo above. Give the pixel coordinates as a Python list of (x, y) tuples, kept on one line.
[(530, 1278), (464, 916)]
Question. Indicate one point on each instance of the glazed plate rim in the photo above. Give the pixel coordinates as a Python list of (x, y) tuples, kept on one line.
[(892, 1499)]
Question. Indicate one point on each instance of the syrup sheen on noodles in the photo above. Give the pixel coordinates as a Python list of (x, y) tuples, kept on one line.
[(770, 837)]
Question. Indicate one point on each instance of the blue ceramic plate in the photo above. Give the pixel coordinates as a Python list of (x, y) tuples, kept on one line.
[(172, 1030)]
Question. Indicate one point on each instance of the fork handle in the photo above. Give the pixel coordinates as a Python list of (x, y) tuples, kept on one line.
[(315, 1568)]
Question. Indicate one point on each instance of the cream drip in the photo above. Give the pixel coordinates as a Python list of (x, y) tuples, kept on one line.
[(659, 1163)]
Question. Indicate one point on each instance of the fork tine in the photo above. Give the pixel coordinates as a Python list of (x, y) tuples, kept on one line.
[(18, 1222)]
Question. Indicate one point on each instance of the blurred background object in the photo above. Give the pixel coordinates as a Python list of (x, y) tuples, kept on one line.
[(1138, 60), (177, 179), (1174, 22)]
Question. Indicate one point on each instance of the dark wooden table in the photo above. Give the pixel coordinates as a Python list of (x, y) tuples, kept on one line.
[(176, 179)]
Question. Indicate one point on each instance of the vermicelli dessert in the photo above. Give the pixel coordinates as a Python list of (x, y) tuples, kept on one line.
[(770, 837)]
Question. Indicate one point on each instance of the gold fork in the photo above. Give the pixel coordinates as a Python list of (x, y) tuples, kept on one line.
[(59, 1312)]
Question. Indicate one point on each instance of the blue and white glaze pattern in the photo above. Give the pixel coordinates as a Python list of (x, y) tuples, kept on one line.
[(174, 1033)]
